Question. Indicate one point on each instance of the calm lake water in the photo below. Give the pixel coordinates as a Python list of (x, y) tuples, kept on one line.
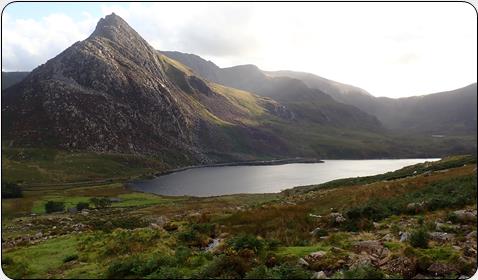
[(212, 181)]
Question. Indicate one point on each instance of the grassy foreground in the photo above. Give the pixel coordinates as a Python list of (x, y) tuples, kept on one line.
[(419, 221)]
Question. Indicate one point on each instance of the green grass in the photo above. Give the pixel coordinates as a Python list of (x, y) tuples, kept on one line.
[(127, 200), (41, 258), (41, 165), (144, 199), (393, 246), (300, 251), (417, 169), (86, 271)]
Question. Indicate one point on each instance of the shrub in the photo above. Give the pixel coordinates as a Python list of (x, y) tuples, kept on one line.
[(395, 229), (7, 261), (419, 238), (262, 272), (170, 227), (152, 264), (11, 190), (272, 244), (128, 223), (452, 217), (206, 228), (182, 254), (191, 238), (363, 272), (54, 206), (122, 267), (82, 205), (15, 269), (225, 267), (290, 271), (246, 241), (70, 258), (100, 202), (167, 272)]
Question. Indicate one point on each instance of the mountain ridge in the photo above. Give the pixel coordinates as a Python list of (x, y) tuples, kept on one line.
[(389, 111)]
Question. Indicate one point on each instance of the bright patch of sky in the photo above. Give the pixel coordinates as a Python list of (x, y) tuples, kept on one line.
[(388, 49)]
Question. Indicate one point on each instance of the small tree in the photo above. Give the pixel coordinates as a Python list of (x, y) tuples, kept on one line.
[(11, 190), (54, 206), (82, 205), (100, 202)]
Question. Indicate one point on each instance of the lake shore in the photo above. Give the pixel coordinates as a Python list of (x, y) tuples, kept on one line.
[(243, 163)]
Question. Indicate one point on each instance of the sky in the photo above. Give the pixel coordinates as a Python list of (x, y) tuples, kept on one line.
[(389, 49)]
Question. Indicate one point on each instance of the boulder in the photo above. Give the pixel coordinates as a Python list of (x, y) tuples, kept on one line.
[(416, 207), (402, 265), (445, 227), (315, 216), (371, 247), (318, 232), (317, 255), (442, 236), (359, 260), (441, 269), (420, 276), (336, 217), (302, 262), (471, 235), (387, 237), (155, 226), (319, 275), (465, 216), (470, 252), (161, 220), (404, 236)]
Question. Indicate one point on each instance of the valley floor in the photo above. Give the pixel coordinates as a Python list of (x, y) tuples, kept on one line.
[(417, 222)]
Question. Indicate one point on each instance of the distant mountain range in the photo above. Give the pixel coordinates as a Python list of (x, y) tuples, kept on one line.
[(448, 113), (115, 93)]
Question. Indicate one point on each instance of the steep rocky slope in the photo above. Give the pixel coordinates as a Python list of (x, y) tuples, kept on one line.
[(11, 78), (114, 93)]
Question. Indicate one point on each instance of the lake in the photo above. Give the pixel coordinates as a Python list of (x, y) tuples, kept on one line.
[(213, 181)]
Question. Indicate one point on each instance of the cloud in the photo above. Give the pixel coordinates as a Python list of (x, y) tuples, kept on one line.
[(28, 43), (215, 29), (390, 49)]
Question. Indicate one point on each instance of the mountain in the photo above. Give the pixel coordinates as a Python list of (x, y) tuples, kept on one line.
[(114, 93), (11, 78), (307, 103), (343, 93), (447, 113)]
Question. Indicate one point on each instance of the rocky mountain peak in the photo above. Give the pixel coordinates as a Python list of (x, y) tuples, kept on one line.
[(111, 25), (116, 29)]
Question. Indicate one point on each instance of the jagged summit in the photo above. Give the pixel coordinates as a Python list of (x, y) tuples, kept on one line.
[(116, 29), (110, 25)]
